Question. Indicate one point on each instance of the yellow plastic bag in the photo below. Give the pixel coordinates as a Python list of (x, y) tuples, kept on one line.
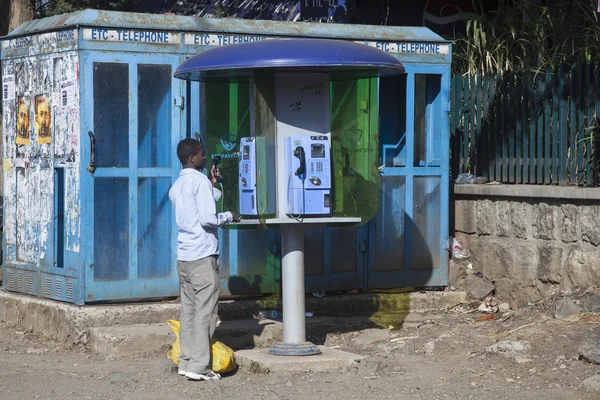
[(175, 351), (222, 356)]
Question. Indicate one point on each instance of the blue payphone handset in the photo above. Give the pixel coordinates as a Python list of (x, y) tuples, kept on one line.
[(307, 161)]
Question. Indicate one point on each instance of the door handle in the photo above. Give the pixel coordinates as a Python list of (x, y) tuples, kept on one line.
[(92, 165)]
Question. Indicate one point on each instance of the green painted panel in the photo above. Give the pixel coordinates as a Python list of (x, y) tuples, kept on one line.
[(354, 142)]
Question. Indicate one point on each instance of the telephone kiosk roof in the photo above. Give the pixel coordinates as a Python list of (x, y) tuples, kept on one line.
[(338, 58)]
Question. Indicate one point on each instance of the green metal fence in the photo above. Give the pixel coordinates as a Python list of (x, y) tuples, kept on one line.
[(528, 128)]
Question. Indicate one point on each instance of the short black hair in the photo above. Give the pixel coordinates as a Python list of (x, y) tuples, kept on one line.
[(186, 148)]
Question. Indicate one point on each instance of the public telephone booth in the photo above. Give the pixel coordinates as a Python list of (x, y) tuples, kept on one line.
[(92, 114)]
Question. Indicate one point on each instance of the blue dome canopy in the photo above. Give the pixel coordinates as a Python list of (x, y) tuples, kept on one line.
[(338, 58)]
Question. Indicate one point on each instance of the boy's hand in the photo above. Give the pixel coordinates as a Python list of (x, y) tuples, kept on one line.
[(235, 218), (214, 173)]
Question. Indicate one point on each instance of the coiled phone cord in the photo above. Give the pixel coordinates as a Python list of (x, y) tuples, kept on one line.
[(222, 196), (296, 217)]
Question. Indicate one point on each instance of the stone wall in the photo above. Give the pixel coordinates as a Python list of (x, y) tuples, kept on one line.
[(531, 242)]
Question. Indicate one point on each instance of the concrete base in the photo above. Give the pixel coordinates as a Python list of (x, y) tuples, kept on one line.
[(131, 340), (137, 340), (259, 360), (72, 324)]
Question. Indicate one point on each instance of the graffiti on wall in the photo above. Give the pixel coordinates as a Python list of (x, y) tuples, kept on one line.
[(41, 133)]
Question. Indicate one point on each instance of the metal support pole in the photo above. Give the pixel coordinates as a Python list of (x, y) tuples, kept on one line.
[(292, 276)]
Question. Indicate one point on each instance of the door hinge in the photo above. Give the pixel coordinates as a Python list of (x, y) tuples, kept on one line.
[(179, 102), (364, 105), (362, 246)]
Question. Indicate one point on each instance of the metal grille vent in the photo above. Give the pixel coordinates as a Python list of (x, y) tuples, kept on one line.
[(20, 281), (11, 280), (58, 289), (70, 290), (47, 287)]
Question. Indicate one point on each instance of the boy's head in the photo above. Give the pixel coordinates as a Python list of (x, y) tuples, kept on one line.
[(191, 154)]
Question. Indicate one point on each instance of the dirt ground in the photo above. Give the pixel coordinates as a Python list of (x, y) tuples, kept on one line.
[(433, 356)]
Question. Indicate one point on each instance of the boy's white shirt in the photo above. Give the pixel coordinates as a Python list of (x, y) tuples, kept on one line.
[(194, 199)]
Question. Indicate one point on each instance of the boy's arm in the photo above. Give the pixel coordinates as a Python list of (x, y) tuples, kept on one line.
[(207, 207), (216, 193)]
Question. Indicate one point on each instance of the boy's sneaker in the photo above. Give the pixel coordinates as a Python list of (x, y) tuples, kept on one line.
[(181, 372), (202, 377)]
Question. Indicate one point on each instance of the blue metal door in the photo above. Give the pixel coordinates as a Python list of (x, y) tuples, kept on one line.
[(334, 258), (130, 108), (408, 236)]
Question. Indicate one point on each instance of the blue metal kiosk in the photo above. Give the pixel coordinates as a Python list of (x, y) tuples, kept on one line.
[(91, 116)]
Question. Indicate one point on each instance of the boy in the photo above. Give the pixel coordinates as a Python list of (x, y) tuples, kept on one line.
[(194, 199)]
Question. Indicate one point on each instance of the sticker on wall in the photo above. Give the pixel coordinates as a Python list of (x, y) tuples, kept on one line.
[(67, 93), (8, 87), (23, 127), (43, 119), (71, 157), (7, 165)]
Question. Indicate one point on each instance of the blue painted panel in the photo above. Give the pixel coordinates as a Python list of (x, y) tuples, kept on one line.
[(135, 47), (59, 217), (111, 114), (408, 237), (60, 271), (392, 120), (21, 200), (134, 106), (20, 279), (389, 232), (421, 104), (195, 116), (428, 109), (314, 257), (132, 289), (154, 115), (425, 223), (111, 173), (131, 201), (334, 258), (158, 172), (59, 287), (141, 172), (433, 116), (410, 116), (341, 245), (247, 261), (155, 219), (111, 229)]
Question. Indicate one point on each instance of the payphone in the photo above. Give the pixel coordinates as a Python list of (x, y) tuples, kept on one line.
[(256, 192), (308, 165), (247, 177)]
